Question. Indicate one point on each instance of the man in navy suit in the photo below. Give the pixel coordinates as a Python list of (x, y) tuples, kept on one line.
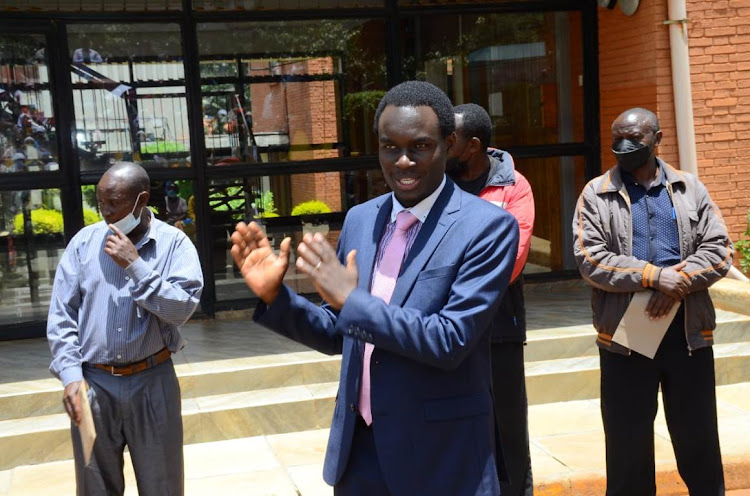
[(414, 410)]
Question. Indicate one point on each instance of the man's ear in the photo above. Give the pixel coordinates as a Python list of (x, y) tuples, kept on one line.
[(475, 145), (450, 140), (657, 138), (143, 199)]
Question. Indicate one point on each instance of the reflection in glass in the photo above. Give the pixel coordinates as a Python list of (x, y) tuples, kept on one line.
[(129, 95), (28, 140), (219, 5), (92, 5), (31, 243), (556, 183), (171, 201), (525, 69), (297, 90), (284, 206)]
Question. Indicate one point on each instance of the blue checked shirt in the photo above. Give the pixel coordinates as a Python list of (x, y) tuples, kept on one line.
[(102, 313)]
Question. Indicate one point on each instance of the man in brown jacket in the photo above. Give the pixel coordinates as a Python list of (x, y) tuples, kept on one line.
[(644, 226)]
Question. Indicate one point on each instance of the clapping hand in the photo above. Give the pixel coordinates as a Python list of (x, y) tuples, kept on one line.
[(262, 269), (331, 279)]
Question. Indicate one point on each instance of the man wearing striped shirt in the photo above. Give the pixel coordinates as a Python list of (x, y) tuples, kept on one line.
[(122, 290)]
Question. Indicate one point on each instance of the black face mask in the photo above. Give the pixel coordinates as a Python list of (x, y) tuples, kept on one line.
[(631, 154)]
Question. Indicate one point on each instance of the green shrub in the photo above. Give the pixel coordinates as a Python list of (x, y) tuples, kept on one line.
[(743, 248), (90, 217), (362, 101), (162, 147), (43, 221), (48, 221), (265, 204), (311, 207)]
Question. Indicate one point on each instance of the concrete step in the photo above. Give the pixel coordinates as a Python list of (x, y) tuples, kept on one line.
[(43, 396), (37, 439), (46, 438), (569, 379), (567, 457), (570, 341), (560, 350)]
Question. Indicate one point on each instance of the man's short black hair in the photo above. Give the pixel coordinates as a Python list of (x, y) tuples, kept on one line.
[(476, 123), (420, 94)]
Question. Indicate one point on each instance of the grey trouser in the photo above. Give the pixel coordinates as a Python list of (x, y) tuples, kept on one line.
[(142, 411)]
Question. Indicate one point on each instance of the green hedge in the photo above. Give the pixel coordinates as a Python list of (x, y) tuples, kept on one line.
[(48, 221), (311, 207), (743, 248)]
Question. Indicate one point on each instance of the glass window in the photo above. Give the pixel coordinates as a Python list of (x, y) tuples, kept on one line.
[(28, 141), (90, 5), (171, 201), (283, 4), (129, 95), (31, 243), (420, 3), (525, 69), (285, 205), (556, 183), (290, 90)]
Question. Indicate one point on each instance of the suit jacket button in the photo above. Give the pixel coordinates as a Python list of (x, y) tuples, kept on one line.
[(351, 406)]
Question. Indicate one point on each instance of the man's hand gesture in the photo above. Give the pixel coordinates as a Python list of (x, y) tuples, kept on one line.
[(333, 281), (120, 248), (71, 402), (672, 283), (261, 268), (672, 289)]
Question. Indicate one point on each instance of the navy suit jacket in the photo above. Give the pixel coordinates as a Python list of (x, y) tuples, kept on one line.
[(433, 420)]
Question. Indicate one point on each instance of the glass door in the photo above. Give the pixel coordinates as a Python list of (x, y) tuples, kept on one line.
[(31, 213)]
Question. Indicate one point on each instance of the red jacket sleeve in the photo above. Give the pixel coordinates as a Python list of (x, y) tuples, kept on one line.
[(520, 203)]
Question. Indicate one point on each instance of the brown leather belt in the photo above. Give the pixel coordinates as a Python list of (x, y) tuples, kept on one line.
[(135, 367)]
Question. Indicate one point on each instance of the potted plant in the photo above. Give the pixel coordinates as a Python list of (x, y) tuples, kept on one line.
[(309, 211)]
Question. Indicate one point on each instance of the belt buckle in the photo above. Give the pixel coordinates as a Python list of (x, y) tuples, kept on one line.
[(112, 371)]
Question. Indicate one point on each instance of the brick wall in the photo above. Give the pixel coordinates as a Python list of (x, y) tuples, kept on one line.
[(635, 70), (719, 34), (308, 112)]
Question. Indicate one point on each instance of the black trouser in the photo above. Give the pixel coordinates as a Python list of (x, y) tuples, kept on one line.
[(362, 476), (629, 387), (511, 414)]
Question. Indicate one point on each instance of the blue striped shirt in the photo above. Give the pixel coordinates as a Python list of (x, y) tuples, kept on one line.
[(102, 313)]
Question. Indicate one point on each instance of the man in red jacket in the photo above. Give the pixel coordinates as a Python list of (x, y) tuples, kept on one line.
[(491, 175)]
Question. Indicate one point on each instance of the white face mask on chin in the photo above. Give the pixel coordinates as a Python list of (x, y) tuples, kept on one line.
[(130, 221)]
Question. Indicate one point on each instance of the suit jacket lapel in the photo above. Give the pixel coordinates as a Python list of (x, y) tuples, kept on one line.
[(431, 233), (368, 248)]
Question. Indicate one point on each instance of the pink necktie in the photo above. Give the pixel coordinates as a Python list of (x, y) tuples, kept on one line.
[(382, 287)]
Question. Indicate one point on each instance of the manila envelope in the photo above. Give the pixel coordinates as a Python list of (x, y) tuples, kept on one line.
[(637, 331), (86, 428)]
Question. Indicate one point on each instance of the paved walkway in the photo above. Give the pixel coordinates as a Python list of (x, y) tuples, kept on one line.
[(567, 457), (567, 438)]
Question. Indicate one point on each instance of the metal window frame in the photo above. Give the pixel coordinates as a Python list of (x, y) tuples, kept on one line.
[(70, 178)]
